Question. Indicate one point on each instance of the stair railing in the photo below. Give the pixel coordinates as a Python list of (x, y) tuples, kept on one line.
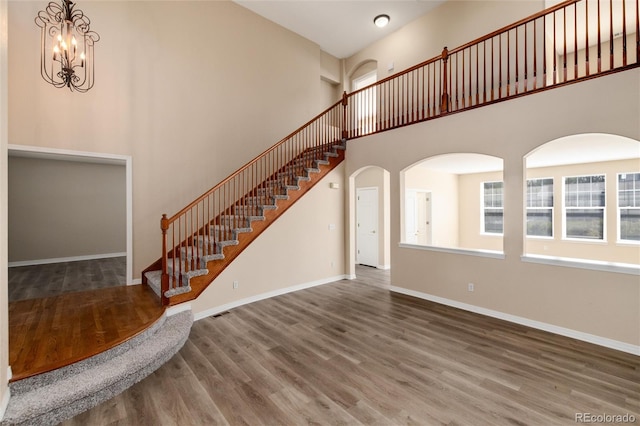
[(198, 232), (572, 41)]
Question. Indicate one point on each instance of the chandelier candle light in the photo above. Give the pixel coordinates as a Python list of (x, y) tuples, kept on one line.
[(66, 46)]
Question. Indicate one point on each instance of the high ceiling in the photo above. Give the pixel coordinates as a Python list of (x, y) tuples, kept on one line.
[(340, 28)]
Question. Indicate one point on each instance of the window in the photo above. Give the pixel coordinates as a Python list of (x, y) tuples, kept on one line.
[(629, 206), (492, 210), (540, 207), (584, 198)]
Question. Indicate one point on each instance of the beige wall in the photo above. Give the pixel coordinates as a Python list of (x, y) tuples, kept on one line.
[(177, 83), (610, 250), (60, 209), (298, 249), (375, 177), (470, 211), (598, 303), (4, 300), (452, 24)]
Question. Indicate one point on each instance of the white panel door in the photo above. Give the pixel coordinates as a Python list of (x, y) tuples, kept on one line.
[(367, 226)]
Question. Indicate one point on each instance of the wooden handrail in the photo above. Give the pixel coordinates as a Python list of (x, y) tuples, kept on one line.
[(248, 165)]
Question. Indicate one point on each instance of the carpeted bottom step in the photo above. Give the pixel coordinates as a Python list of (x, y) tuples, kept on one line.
[(50, 398)]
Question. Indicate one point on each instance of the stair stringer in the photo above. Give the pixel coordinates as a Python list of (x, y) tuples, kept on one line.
[(215, 267)]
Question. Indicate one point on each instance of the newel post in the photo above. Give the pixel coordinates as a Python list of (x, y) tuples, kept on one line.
[(345, 104), (164, 286), (444, 105)]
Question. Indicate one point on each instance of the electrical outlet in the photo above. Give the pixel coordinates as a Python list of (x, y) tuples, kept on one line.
[(235, 284), (470, 287)]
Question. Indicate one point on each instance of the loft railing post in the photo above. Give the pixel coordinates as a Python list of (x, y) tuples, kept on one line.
[(444, 105), (164, 286), (345, 104)]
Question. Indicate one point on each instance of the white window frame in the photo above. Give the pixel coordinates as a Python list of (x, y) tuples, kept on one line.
[(552, 208), (482, 209), (565, 208), (366, 102), (618, 209)]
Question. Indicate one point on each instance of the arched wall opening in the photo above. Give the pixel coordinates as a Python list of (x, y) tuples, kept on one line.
[(582, 199), (365, 182), (453, 201)]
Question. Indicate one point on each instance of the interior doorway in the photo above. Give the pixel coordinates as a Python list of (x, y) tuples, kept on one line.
[(86, 158), (367, 232), (418, 217)]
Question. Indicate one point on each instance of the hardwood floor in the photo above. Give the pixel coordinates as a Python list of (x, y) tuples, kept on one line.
[(353, 353), (51, 332), (37, 281)]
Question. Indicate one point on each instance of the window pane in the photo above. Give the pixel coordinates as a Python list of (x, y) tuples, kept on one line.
[(493, 221), (630, 224), (585, 223), (540, 222)]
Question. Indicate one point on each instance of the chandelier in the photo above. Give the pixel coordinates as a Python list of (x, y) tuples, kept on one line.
[(66, 46)]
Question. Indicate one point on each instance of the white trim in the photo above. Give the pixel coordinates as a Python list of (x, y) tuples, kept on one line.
[(172, 310), (5, 403), (65, 259), (7, 395), (595, 265), (562, 331), (480, 253), (91, 157), (222, 308), (137, 281), (384, 267)]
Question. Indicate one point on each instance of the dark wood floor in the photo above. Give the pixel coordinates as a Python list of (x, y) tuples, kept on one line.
[(353, 353), (51, 332), (37, 281)]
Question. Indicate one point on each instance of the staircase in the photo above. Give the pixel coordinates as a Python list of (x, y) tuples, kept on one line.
[(200, 257)]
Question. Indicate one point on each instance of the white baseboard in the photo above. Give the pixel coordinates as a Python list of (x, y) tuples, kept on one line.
[(176, 309), (384, 267), (64, 259), (218, 309), (137, 281), (567, 332)]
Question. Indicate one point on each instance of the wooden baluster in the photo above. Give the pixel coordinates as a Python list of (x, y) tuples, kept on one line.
[(624, 34), (586, 35), (599, 41), (499, 66), (575, 41), (493, 63), (444, 105), (555, 52), (564, 35), (535, 54), (457, 87), (544, 51), (611, 34), (517, 62), (508, 63), (164, 280), (345, 104), (470, 84), (526, 63), (484, 71), (477, 74)]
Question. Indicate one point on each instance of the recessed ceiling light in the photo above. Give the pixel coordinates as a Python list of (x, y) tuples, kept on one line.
[(381, 20)]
